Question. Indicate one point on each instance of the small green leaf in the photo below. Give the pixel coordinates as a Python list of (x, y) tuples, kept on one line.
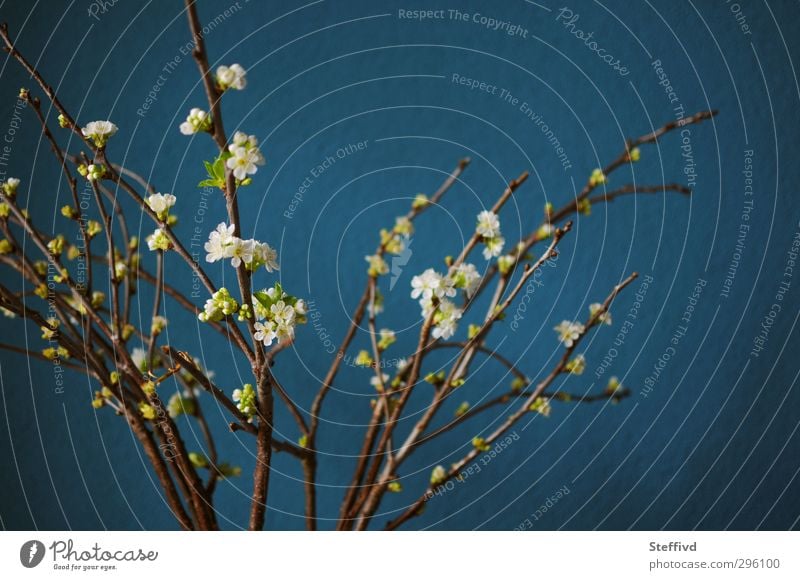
[(263, 298), (219, 168)]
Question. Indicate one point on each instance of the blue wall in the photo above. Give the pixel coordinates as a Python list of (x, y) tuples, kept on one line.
[(707, 440)]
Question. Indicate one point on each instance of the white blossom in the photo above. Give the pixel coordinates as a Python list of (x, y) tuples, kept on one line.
[(158, 324), (265, 332), (245, 155), (220, 243), (265, 254), (569, 332), (242, 163), (10, 186), (577, 365), (446, 319), (139, 358), (430, 283), (158, 240), (246, 400), (488, 229), (120, 269), (161, 203), (375, 382), (99, 131), (493, 247), (285, 331), (233, 77), (95, 171), (241, 139), (427, 307), (488, 224), (603, 317), (282, 313), (241, 251), (279, 320), (505, 263), (466, 277)]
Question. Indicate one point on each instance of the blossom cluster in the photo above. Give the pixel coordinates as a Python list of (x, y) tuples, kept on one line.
[(222, 245), (277, 314), (198, 121), (161, 203), (433, 291), (245, 399), (220, 305), (158, 240), (577, 365), (93, 171), (540, 405), (488, 229), (245, 156), (597, 177), (569, 332), (10, 186), (231, 77), (99, 132)]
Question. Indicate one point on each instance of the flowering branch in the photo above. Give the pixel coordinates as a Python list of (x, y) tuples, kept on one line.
[(481, 445), (372, 497)]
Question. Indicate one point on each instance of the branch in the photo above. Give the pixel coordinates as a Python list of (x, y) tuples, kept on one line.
[(522, 410), (186, 362), (509, 396)]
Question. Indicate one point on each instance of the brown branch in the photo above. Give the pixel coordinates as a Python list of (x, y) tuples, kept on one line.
[(151, 345), (71, 182), (488, 351), (200, 55), (264, 440), (9, 47), (639, 189), (40, 356)]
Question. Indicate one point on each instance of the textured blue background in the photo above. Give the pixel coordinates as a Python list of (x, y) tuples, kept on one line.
[(713, 446)]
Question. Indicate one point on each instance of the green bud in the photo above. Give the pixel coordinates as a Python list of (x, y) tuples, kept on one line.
[(198, 460)]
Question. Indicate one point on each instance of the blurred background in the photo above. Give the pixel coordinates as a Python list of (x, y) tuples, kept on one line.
[(706, 440)]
